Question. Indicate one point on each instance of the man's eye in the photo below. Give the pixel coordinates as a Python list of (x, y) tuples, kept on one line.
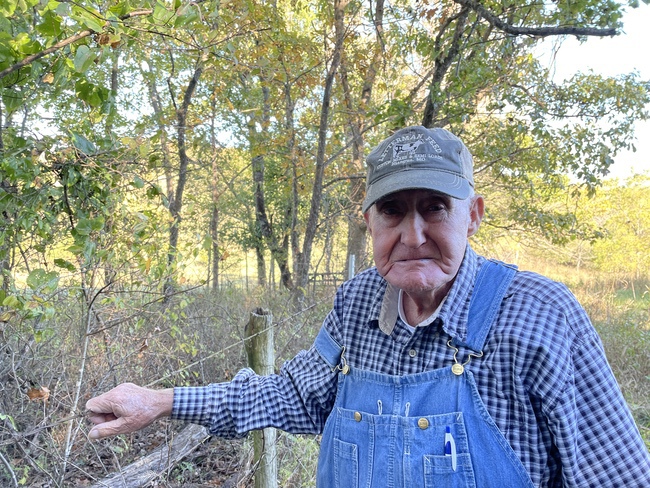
[(389, 210), (438, 207)]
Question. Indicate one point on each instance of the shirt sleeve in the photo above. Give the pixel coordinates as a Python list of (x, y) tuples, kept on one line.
[(598, 442), (297, 400)]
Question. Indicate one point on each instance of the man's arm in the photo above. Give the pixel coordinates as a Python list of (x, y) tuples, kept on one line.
[(594, 430), (297, 400), (127, 408)]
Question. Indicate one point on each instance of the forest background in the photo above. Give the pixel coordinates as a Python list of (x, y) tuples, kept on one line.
[(167, 167)]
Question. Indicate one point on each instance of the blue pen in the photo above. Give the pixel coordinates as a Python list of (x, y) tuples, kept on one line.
[(450, 447)]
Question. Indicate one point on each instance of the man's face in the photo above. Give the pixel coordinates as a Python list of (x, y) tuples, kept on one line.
[(419, 238)]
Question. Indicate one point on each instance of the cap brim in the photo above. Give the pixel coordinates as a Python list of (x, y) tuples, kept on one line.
[(413, 179)]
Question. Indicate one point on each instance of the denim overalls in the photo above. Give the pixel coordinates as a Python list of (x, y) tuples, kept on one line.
[(422, 430)]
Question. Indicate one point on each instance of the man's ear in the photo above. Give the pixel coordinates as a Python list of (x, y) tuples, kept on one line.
[(366, 217), (476, 212)]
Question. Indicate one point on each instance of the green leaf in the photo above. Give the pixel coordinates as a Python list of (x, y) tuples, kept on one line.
[(62, 263), (7, 7), (88, 18), (82, 144), (161, 15), (12, 99), (83, 59), (25, 45), (137, 182), (97, 223), (5, 27), (51, 25), (153, 191), (62, 9), (76, 249), (41, 280), (120, 9), (83, 227), (12, 302), (86, 226), (92, 94), (4, 416), (186, 15)]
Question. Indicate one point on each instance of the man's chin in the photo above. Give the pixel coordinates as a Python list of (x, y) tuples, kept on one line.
[(418, 279)]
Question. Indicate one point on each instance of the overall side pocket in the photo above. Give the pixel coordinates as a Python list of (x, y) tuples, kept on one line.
[(346, 464)]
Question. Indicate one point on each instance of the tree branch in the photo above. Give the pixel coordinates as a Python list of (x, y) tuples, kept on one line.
[(77, 37), (495, 21), (442, 64)]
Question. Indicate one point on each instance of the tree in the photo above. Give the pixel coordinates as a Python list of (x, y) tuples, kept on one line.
[(623, 212), (303, 89)]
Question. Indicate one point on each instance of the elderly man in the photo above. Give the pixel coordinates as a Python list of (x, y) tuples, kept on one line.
[(436, 367)]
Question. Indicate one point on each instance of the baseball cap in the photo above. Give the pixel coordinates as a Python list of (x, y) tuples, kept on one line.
[(419, 158)]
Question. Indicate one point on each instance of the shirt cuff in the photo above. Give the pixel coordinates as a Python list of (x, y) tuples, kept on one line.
[(198, 405)]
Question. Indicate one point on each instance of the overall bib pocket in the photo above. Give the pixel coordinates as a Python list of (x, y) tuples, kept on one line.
[(438, 472), (366, 446), (439, 450)]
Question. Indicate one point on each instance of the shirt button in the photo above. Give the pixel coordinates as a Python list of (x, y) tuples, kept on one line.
[(357, 416), (423, 423), (413, 353)]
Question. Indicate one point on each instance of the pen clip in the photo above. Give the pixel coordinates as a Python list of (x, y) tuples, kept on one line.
[(450, 447)]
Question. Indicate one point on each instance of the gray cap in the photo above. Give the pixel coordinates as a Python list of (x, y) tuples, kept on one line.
[(419, 158)]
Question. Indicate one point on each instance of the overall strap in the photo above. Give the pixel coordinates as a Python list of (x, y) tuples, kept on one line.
[(492, 282), (330, 350)]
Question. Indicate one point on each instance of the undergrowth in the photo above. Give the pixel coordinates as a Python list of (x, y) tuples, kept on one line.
[(194, 339)]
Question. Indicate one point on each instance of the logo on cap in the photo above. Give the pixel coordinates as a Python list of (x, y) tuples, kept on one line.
[(405, 149)]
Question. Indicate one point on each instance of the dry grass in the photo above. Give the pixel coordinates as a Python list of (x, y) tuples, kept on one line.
[(194, 340)]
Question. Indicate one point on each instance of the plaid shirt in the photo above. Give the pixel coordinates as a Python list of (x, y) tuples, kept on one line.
[(543, 377)]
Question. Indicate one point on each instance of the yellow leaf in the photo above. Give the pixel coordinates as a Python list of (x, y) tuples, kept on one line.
[(5, 316)]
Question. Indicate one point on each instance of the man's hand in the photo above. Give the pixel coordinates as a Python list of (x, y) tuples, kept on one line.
[(127, 408)]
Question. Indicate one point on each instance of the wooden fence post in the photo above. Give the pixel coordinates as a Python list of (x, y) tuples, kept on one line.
[(261, 358)]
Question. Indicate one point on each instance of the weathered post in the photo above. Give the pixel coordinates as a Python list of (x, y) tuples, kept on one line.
[(261, 358), (351, 266)]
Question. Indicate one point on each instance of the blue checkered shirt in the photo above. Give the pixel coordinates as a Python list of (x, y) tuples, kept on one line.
[(543, 377)]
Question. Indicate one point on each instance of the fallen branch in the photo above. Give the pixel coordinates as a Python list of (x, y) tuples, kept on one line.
[(150, 467)]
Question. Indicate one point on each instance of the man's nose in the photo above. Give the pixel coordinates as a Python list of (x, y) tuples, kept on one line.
[(413, 230)]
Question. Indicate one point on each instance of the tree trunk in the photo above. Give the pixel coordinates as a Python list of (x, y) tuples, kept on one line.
[(176, 205), (443, 62), (261, 263), (214, 218), (109, 272), (5, 248), (214, 234), (156, 104), (304, 258), (357, 230), (279, 249), (357, 239)]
